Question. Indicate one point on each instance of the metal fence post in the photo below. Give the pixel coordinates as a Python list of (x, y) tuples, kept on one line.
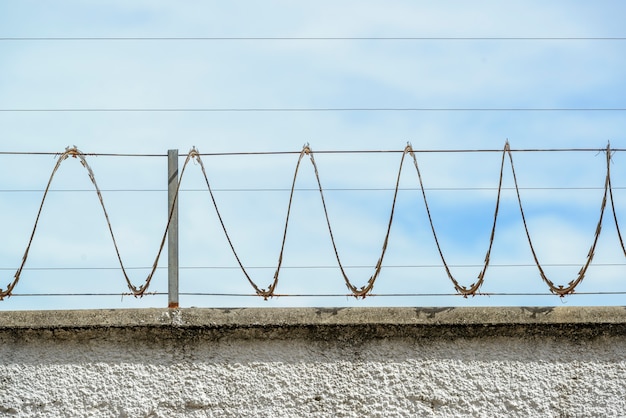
[(172, 232)]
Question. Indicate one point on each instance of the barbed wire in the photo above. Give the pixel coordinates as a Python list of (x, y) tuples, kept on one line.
[(75, 153), (358, 292)]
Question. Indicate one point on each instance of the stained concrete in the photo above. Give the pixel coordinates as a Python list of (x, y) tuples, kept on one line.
[(314, 362)]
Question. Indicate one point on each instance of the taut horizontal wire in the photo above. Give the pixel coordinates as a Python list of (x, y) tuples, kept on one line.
[(312, 38), (324, 267), (322, 295), (86, 294), (321, 109), (88, 154), (416, 151), (336, 189), (380, 151)]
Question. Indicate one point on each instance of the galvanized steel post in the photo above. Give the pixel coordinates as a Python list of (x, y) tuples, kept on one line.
[(172, 231)]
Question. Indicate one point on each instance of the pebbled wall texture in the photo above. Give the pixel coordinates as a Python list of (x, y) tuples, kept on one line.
[(352, 362)]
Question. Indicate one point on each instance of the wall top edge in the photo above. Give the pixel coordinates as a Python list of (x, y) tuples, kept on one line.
[(307, 317)]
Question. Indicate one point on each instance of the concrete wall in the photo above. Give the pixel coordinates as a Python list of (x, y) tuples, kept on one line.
[(523, 362)]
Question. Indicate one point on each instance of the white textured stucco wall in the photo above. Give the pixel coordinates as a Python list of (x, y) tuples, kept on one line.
[(322, 367)]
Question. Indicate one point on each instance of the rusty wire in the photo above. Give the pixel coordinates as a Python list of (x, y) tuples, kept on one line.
[(16, 278), (359, 292), (562, 290), (269, 292), (363, 291), (74, 152), (609, 154), (472, 289)]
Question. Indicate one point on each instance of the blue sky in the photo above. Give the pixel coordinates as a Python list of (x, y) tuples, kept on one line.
[(535, 73)]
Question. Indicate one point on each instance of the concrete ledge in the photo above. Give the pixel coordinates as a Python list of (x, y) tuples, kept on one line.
[(353, 362), (247, 317), (321, 324)]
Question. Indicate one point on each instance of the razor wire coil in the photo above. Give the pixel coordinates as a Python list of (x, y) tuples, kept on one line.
[(355, 290)]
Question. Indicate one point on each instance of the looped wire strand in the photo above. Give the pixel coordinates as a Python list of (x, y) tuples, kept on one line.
[(269, 291), (473, 288), (571, 286), (619, 233), (137, 291), (16, 278), (365, 290)]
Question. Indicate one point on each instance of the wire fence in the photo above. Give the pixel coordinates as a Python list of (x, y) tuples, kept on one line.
[(606, 208)]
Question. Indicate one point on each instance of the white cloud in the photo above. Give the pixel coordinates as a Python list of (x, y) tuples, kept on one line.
[(238, 74)]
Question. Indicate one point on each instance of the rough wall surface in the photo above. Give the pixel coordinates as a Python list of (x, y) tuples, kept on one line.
[(345, 363)]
